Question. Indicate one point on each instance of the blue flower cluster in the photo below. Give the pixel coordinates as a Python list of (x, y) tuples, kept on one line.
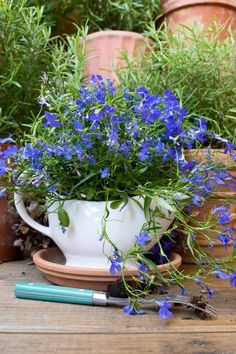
[(224, 219), (120, 140), (229, 275), (163, 309)]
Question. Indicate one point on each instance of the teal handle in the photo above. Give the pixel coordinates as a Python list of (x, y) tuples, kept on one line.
[(46, 292)]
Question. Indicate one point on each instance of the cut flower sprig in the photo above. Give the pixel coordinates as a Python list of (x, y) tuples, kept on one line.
[(109, 144)]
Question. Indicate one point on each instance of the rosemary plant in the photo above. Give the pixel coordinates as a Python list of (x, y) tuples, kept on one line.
[(24, 37)]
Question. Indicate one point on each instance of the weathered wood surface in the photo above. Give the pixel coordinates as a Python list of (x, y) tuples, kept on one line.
[(28, 326)]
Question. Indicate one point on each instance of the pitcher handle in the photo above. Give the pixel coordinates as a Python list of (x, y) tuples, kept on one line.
[(20, 207)]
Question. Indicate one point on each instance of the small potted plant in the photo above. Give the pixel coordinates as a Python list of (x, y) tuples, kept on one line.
[(111, 168)]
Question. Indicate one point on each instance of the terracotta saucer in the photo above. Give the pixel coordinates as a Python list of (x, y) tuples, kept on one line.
[(51, 263)]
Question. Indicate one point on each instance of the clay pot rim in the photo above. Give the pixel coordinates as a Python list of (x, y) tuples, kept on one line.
[(46, 266), (218, 152), (216, 243), (167, 7), (114, 33)]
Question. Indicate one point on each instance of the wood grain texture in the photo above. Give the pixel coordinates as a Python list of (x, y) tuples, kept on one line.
[(117, 343), (28, 326)]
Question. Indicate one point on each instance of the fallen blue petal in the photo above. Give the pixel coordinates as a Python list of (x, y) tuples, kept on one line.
[(132, 310)]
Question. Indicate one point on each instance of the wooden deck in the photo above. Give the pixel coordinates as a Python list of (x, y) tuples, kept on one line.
[(28, 326)]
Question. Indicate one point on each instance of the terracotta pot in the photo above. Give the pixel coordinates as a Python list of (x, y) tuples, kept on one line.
[(218, 251), (220, 195), (218, 156), (104, 51), (51, 263), (8, 251), (202, 12)]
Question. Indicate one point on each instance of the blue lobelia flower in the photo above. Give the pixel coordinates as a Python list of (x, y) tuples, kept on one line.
[(2, 192), (43, 102), (116, 261), (3, 167), (234, 240), (132, 310), (224, 239), (6, 140), (210, 292), (78, 126), (219, 274), (164, 311), (220, 209), (232, 280), (10, 151), (142, 238), (183, 291), (224, 218), (104, 172), (51, 119), (142, 269), (198, 282)]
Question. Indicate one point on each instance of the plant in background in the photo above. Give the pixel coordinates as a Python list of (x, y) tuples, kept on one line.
[(114, 145), (24, 37), (26, 52), (198, 67), (66, 70), (126, 15)]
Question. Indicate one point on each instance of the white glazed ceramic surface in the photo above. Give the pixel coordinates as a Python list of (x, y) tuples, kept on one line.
[(82, 242)]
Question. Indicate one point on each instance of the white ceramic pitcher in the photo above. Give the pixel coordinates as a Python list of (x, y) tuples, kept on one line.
[(82, 243)]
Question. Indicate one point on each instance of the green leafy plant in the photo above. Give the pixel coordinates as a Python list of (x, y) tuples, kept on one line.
[(27, 52), (24, 37), (194, 64), (64, 74), (130, 15)]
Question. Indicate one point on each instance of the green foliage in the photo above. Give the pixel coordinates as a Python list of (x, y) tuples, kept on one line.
[(65, 72), (27, 52), (130, 15), (23, 55), (63, 217), (195, 65)]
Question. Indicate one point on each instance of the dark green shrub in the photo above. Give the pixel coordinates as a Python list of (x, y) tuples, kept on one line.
[(130, 15)]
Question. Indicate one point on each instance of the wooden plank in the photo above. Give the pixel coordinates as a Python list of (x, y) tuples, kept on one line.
[(223, 343), (28, 316)]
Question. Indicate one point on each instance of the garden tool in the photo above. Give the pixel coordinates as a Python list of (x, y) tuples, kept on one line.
[(46, 292)]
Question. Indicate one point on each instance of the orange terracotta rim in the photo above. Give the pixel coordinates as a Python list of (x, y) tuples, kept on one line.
[(114, 33), (169, 7), (218, 154), (203, 151), (217, 243), (47, 261)]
